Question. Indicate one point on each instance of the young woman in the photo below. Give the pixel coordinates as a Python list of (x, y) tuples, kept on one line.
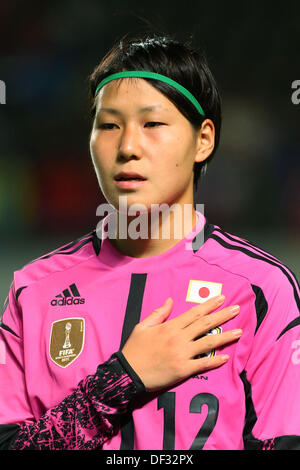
[(194, 338)]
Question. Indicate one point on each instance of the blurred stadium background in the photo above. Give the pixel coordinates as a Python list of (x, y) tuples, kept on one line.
[(48, 190)]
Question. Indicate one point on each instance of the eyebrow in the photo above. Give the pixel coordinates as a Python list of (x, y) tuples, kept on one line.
[(140, 111)]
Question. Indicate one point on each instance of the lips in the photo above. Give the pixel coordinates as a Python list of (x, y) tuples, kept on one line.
[(129, 180), (129, 176)]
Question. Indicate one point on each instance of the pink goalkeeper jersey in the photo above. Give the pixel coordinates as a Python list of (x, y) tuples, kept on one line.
[(67, 313)]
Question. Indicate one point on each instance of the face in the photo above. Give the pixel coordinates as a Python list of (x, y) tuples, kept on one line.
[(158, 144)]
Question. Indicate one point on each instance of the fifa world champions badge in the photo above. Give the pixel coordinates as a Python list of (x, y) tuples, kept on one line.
[(66, 340)]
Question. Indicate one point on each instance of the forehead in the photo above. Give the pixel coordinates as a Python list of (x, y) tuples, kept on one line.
[(130, 93)]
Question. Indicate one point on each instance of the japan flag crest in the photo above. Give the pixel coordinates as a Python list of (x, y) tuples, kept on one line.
[(201, 291)]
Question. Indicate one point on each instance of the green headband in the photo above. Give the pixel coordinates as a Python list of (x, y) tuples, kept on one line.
[(156, 76)]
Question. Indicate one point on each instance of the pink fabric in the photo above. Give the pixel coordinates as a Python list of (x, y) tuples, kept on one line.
[(208, 410)]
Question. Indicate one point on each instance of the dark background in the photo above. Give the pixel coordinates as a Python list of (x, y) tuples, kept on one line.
[(48, 189)]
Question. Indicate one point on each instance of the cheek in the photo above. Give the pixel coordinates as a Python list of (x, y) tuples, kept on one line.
[(93, 149), (98, 154)]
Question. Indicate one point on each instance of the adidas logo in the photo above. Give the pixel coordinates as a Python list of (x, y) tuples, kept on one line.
[(69, 296)]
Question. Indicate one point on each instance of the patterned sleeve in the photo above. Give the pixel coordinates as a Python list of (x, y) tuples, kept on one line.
[(83, 420), (89, 416)]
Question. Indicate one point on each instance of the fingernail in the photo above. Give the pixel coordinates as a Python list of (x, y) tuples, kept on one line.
[(220, 299), (234, 309), (225, 357), (237, 332)]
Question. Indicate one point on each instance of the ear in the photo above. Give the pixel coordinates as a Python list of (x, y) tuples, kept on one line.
[(205, 140)]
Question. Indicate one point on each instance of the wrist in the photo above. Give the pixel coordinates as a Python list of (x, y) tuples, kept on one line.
[(140, 387)]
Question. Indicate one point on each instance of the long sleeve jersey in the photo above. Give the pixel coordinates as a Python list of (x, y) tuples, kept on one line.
[(64, 383)]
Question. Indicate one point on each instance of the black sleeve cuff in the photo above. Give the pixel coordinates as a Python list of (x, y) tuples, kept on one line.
[(135, 378)]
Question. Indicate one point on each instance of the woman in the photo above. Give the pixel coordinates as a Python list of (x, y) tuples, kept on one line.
[(189, 375)]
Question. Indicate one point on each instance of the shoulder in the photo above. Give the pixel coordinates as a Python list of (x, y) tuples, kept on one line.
[(65, 257), (276, 288), (244, 258)]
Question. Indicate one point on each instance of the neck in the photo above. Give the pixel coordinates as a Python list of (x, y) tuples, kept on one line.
[(152, 233)]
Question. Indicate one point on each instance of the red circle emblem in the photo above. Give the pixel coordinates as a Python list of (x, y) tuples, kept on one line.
[(204, 292)]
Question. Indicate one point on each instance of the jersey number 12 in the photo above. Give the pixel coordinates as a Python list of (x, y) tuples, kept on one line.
[(167, 402)]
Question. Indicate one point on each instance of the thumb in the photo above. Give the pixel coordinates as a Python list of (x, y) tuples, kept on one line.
[(160, 314)]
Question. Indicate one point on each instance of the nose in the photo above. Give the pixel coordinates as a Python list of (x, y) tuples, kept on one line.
[(130, 143)]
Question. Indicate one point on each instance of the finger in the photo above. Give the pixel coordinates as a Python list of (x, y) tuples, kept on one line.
[(196, 366), (198, 311), (211, 342), (208, 322), (160, 314)]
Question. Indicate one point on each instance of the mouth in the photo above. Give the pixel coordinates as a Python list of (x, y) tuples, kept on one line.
[(130, 184), (129, 180)]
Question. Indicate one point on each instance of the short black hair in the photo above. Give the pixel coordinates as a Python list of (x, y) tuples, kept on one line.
[(175, 59)]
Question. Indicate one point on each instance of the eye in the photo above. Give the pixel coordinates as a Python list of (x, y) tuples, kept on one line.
[(155, 123), (106, 126)]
